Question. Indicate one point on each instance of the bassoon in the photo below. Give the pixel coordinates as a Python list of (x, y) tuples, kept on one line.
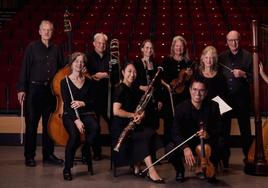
[(139, 110)]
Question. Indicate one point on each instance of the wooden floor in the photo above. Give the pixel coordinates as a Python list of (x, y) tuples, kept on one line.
[(14, 174)]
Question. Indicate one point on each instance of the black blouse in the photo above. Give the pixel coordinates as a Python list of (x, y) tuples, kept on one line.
[(85, 94), (216, 86), (128, 97)]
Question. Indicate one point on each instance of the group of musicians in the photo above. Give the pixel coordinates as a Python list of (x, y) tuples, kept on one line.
[(182, 97)]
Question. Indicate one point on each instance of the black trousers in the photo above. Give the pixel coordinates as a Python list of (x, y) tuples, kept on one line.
[(241, 110), (39, 103), (74, 141)]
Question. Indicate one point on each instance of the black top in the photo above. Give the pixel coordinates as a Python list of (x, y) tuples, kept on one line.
[(127, 96), (242, 60), (216, 86), (85, 94), (95, 64), (144, 78), (40, 64), (187, 122), (172, 69), (142, 141)]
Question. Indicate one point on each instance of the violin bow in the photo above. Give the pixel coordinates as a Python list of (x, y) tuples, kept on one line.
[(231, 70), (167, 154), (21, 123)]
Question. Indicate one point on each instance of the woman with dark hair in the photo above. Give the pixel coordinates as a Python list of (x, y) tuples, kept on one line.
[(142, 141), (176, 76), (82, 103)]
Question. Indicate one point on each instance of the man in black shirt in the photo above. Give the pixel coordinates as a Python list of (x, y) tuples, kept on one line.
[(98, 68), (192, 116), (236, 66), (41, 61)]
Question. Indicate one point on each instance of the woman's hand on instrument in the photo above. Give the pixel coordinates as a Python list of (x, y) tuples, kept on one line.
[(143, 88), (77, 104), (138, 117), (189, 72), (189, 157), (21, 97), (80, 126)]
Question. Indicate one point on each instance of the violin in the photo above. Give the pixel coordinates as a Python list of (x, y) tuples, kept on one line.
[(205, 166), (178, 84)]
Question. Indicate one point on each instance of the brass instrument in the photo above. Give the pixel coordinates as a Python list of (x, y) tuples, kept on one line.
[(114, 61), (139, 110)]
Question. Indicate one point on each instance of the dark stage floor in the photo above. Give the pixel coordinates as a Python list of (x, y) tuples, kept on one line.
[(14, 174)]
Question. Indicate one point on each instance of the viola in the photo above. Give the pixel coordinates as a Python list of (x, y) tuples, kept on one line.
[(205, 166), (178, 84)]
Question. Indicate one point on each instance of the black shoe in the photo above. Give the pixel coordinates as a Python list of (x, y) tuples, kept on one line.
[(212, 180), (97, 157), (90, 168), (180, 177), (225, 163), (159, 181), (67, 175), (30, 162), (52, 159)]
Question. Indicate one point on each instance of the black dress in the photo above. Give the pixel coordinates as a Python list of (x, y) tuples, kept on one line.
[(144, 77), (142, 141)]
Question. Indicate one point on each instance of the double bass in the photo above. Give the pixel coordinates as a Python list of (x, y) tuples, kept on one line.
[(56, 128)]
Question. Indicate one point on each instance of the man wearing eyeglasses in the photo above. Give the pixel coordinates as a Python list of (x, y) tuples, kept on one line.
[(237, 70)]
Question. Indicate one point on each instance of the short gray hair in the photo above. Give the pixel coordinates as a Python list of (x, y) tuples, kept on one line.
[(97, 35)]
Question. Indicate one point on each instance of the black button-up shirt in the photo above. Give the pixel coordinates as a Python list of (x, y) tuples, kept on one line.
[(40, 64), (243, 61)]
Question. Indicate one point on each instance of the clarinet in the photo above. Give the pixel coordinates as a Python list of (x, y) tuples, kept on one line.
[(139, 109)]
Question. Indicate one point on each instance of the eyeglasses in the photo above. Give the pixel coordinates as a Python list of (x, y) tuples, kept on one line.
[(201, 91), (233, 40)]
